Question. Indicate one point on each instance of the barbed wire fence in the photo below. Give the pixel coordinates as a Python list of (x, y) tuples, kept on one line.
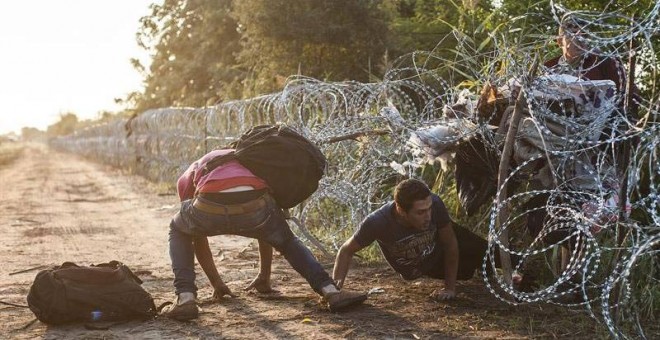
[(365, 129)]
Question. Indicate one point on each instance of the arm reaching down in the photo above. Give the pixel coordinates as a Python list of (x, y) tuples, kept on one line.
[(205, 259), (449, 244), (343, 261), (262, 282)]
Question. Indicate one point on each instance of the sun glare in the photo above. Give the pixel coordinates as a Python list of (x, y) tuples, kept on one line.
[(67, 56)]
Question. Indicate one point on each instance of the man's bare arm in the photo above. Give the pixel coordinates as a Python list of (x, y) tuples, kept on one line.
[(343, 261), (449, 244), (205, 259), (262, 282)]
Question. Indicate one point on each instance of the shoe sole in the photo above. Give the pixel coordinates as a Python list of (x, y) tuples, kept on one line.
[(347, 303), (183, 315)]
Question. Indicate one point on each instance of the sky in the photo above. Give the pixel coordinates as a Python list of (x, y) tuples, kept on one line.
[(61, 56)]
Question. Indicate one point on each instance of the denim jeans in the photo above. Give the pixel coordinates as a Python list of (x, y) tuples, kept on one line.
[(266, 224)]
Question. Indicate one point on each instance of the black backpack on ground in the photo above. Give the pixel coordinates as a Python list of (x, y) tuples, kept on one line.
[(291, 165), (104, 292)]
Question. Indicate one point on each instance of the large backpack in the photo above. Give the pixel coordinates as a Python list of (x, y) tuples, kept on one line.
[(290, 164), (104, 292)]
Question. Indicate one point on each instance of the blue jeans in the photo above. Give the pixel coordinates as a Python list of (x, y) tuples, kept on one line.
[(266, 224)]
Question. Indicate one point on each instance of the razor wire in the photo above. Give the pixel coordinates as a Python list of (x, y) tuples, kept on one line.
[(614, 255), (375, 133)]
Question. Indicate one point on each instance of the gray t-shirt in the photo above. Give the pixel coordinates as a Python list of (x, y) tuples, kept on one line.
[(405, 249)]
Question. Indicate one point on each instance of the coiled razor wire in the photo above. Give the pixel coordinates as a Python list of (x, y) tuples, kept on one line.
[(374, 133)]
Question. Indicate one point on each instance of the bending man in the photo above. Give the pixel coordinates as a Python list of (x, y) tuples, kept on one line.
[(230, 199)]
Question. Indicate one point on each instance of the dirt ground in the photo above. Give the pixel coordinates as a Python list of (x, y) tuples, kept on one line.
[(56, 207)]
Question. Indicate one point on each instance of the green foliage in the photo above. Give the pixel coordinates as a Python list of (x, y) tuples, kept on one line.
[(644, 277), (330, 40), (207, 51), (370, 255), (330, 223), (194, 44), (443, 183), (455, 33)]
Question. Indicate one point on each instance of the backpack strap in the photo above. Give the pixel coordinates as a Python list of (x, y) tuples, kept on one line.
[(114, 264), (217, 161)]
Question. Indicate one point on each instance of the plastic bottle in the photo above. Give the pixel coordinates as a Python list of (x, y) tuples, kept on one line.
[(96, 315)]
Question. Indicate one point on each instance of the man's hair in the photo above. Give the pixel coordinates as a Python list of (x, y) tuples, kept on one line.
[(409, 191), (571, 24)]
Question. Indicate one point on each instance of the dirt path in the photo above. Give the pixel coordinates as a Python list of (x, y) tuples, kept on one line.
[(55, 207)]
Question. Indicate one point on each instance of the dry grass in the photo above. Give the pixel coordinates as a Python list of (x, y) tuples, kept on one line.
[(9, 151)]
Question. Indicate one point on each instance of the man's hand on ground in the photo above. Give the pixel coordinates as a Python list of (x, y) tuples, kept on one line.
[(220, 290), (261, 284), (443, 294)]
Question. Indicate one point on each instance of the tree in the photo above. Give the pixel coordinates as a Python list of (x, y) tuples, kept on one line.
[(193, 45), (330, 40)]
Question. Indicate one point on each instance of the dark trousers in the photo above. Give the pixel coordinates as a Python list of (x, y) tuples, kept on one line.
[(471, 251)]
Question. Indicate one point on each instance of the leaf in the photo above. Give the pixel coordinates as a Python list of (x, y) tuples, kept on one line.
[(484, 44), (308, 320)]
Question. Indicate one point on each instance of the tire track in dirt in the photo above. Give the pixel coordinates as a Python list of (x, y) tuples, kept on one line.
[(56, 207), (61, 208)]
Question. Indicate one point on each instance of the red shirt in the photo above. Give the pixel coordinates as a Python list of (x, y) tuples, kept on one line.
[(226, 176)]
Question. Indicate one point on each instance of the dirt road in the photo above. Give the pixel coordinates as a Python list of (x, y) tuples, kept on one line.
[(55, 207)]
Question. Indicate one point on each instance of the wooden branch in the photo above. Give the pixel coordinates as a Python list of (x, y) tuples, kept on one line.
[(355, 136), (628, 107), (29, 269), (623, 189), (503, 173)]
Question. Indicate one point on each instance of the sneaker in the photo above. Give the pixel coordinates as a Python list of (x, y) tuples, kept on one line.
[(183, 312), (344, 299)]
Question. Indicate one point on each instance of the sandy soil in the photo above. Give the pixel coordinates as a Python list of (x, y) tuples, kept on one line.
[(55, 207)]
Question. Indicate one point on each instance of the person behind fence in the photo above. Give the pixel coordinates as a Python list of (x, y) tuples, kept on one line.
[(417, 238), (230, 199), (578, 59), (584, 62)]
